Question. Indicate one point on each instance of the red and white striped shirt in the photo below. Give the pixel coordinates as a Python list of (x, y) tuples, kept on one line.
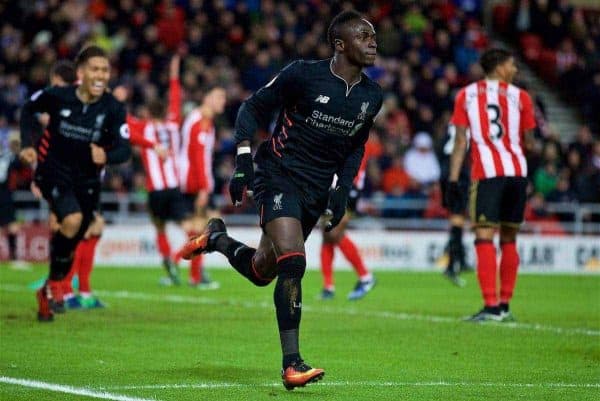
[(196, 157), (160, 174), (497, 114)]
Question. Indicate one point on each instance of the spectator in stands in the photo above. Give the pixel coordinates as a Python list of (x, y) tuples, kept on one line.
[(426, 51), (583, 144), (420, 161), (395, 178), (545, 178)]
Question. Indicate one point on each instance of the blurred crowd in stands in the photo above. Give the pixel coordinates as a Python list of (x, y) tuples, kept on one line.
[(428, 49)]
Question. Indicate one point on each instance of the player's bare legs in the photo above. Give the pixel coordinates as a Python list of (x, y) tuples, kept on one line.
[(509, 265)]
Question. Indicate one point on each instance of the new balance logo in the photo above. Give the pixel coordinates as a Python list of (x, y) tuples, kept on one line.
[(277, 202), (322, 99)]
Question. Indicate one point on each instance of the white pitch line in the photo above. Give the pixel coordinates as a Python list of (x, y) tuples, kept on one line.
[(181, 299), (350, 312), (61, 388), (213, 386)]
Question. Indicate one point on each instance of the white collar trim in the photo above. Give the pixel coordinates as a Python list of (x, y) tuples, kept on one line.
[(348, 87)]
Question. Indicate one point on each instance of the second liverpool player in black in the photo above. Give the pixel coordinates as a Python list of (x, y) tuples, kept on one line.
[(87, 130), (326, 110)]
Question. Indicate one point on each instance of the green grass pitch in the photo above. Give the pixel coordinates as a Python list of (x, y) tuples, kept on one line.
[(404, 341)]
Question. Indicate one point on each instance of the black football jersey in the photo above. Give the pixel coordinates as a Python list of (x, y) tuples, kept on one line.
[(322, 126), (64, 147)]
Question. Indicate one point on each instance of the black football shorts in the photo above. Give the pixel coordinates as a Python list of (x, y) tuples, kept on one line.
[(498, 201), (276, 195), (65, 196), (169, 205)]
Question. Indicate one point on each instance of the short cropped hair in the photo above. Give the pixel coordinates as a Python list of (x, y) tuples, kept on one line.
[(87, 53), (64, 69), (492, 58), (335, 27)]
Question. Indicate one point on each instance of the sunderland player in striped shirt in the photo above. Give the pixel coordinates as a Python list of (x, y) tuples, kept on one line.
[(195, 172), (326, 109), (498, 115), (159, 138)]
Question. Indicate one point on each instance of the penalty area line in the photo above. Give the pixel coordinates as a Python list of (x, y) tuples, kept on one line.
[(61, 388), (215, 386)]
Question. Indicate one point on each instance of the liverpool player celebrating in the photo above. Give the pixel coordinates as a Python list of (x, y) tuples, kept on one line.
[(326, 110), (498, 115), (87, 130)]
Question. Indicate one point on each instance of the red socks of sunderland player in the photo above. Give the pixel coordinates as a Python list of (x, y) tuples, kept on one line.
[(509, 264), (196, 269), (67, 286), (327, 250), (86, 263), (83, 263), (487, 271), (351, 253), (164, 248), (195, 264)]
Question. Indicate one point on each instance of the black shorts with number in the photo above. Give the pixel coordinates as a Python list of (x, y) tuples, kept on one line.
[(7, 211), (169, 205), (498, 201), (67, 195), (461, 206), (276, 195)]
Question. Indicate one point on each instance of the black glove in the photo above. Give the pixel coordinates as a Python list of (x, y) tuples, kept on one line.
[(242, 181), (453, 195), (336, 207), (353, 196)]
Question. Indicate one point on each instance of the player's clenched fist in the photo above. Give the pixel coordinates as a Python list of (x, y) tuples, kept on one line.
[(98, 154), (28, 155), (242, 181)]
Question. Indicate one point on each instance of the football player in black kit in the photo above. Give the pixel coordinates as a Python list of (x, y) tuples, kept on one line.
[(326, 109), (87, 130)]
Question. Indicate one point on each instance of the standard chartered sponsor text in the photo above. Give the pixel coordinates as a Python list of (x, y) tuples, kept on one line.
[(76, 131)]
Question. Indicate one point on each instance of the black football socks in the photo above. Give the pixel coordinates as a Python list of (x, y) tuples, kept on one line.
[(288, 304)]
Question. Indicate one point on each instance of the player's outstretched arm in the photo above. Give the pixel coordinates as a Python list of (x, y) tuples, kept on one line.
[(174, 109)]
